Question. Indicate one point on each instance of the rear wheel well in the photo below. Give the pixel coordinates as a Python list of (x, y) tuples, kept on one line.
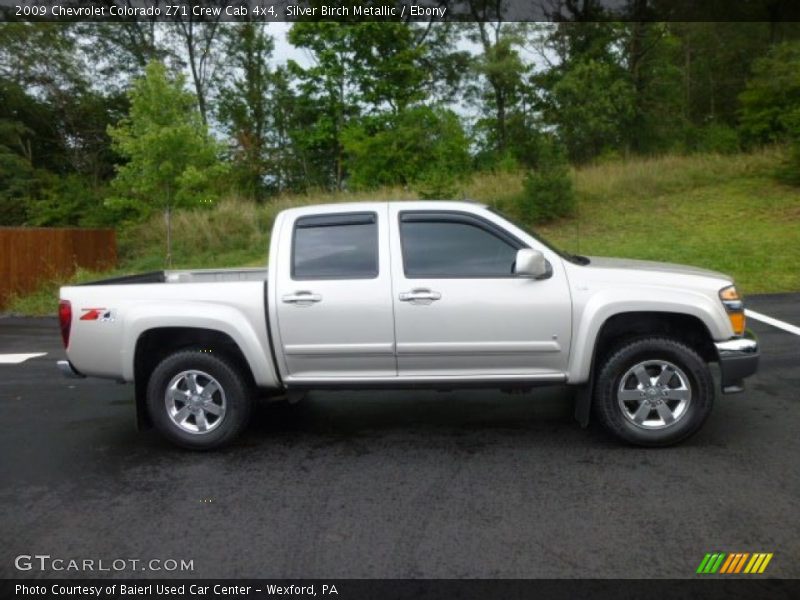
[(687, 329), (154, 345)]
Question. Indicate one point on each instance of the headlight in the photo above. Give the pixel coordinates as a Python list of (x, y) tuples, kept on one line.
[(734, 306)]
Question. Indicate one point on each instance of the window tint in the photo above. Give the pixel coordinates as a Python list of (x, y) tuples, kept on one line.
[(336, 247), (442, 248)]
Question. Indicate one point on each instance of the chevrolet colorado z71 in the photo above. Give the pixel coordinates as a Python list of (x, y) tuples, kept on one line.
[(413, 294)]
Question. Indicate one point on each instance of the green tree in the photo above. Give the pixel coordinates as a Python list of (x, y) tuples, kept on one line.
[(372, 69), (116, 53), (771, 103), (246, 107), (772, 97), (591, 105), (416, 146), (588, 94), (388, 65), (52, 128), (199, 38), (171, 159), (27, 139), (651, 58), (327, 95), (500, 72)]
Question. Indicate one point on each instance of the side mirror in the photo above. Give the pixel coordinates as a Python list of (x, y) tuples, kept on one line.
[(531, 263)]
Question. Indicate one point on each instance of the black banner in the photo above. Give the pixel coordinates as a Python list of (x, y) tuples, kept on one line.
[(397, 589), (399, 10)]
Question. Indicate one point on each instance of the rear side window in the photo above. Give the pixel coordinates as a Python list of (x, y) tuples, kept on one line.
[(335, 247), (443, 247)]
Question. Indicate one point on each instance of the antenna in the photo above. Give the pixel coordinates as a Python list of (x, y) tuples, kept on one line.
[(578, 224)]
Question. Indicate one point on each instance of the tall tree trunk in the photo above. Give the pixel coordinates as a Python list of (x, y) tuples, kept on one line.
[(168, 225), (501, 119), (636, 56), (198, 86), (339, 127), (687, 78)]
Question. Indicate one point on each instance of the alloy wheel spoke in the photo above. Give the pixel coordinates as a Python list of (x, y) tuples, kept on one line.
[(629, 395), (665, 413), (209, 389), (677, 394), (642, 377), (642, 412), (666, 375), (200, 420), (191, 380), (214, 409), (182, 414), (177, 394)]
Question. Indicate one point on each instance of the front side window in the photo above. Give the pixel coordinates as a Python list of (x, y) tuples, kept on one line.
[(454, 247), (335, 247)]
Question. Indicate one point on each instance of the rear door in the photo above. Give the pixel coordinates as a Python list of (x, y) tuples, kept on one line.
[(334, 301), (459, 309)]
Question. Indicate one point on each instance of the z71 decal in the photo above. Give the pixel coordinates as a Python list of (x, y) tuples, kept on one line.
[(97, 314)]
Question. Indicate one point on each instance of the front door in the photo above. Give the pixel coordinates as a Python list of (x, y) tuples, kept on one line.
[(460, 311), (334, 298)]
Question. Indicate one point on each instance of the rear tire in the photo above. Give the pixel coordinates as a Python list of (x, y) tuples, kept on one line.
[(199, 400), (653, 392)]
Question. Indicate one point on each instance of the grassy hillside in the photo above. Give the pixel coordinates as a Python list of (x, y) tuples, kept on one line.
[(721, 212)]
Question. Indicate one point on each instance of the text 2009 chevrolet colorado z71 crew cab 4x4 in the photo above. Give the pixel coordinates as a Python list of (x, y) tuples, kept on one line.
[(413, 294)]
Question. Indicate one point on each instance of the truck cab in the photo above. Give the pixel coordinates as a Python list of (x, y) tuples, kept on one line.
[(415, 292)]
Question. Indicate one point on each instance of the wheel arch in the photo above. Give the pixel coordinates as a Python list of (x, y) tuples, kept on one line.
[(155, 344), (686, 328)]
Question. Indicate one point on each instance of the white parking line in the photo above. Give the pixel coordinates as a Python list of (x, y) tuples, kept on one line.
[(774, 322), (15, 359)]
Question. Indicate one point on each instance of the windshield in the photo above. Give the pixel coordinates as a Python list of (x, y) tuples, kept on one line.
[(573, 258)]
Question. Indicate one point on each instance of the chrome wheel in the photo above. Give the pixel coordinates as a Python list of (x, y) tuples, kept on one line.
[(195, 401), (654, 394)]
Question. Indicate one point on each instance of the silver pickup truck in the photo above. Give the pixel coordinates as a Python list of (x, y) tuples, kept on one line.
[(413, 294)]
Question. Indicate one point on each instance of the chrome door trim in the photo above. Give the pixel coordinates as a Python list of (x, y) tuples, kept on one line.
[(476, 347), (381, 349)]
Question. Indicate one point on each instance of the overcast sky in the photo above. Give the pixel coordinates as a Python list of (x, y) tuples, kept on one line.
[(284, 50)]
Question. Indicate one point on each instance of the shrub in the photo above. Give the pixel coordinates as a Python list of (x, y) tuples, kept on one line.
[(789, 171), (772, 96), (547, 195), (547, 191), (714, 137), (437, 185), (70, 200)]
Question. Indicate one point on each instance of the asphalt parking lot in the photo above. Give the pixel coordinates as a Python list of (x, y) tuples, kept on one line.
[(427, 485)]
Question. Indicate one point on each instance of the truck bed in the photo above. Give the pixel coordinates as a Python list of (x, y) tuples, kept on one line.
[(187, 276)]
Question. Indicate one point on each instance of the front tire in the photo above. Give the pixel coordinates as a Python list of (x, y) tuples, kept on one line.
[(199, 400), (653, 392)]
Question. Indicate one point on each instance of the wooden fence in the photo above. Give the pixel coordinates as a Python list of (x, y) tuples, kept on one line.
[(30, 256)]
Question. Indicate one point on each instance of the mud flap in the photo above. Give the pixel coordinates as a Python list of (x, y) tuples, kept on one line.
[(143, 421), (583, 403)]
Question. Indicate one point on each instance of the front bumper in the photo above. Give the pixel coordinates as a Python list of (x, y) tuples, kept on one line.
[(738, 358)]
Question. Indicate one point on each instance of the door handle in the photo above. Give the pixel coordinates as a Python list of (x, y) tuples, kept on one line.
[(302, 298), (420, 296)]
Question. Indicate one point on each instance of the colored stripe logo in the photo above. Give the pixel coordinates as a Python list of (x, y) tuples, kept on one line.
[(734, 562)]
